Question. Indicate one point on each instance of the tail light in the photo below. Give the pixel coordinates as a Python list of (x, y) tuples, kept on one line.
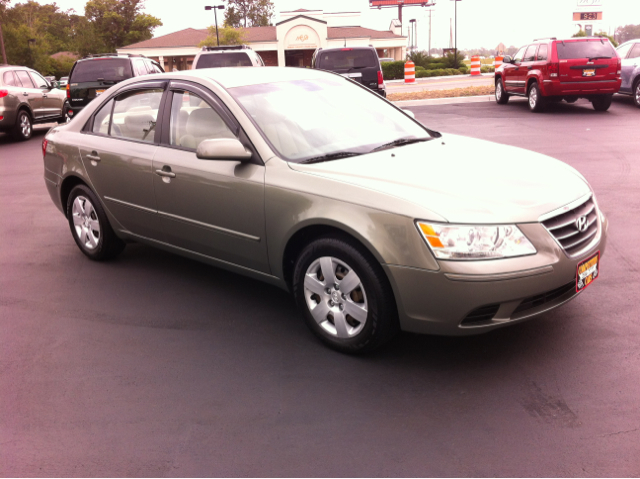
[(68, 92), (45, 142), (380, 80), (619, 66), (554, 69), (3, 93)]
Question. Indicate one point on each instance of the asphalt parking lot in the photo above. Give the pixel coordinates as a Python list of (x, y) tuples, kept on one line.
[(155, 365)]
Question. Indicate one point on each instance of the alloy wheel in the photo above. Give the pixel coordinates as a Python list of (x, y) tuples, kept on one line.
[(498, 91), (636, 95), (335, 297), (85, 222), (25, 125), (533, 98)]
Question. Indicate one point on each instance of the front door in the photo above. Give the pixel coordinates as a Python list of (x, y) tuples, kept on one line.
[(629, 66), (512, 73), (211, 207)]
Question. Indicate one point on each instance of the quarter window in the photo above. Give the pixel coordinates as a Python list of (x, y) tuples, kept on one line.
[(9, 79), (635, 51), (542, 52), (530, 55), (622, 51), (193, 121), (135, 114)]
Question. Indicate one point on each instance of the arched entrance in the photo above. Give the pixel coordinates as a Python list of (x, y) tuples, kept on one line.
[(300, 42)]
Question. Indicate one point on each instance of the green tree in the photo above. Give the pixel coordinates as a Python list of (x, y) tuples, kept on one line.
[(228, 36), (582, 33), (628, 32), (248, 13), (117, 23), (420, 58)]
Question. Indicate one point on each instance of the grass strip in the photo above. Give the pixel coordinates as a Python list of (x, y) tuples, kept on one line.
[(454, 92)]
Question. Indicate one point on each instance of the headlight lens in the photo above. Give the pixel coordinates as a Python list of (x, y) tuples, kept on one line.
[(475, 242)]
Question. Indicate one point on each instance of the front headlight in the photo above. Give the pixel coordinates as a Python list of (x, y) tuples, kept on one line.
[(475, 242)]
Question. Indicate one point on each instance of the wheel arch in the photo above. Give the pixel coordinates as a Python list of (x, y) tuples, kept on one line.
[(27, 108), (530, 81), (67, 185)]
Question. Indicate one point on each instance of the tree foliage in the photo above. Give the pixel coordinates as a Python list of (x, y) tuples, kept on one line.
[(582, 33), (248, 13), (628, 32), (228, 36)]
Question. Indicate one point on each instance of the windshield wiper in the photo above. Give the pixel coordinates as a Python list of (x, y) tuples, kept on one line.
[(599, 58), (331, 156), (400, 142)]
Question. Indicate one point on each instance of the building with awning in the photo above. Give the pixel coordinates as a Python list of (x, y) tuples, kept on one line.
[(291, 42)]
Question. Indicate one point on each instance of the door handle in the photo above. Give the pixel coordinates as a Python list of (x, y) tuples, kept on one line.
[(529, 68), (44, 96), (25, 93), (166, 173), (93, 156)]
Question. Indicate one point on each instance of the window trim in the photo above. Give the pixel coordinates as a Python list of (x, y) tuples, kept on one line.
[(535, 53), (28, 76), (15, 78), (634, 47), (546, 58)]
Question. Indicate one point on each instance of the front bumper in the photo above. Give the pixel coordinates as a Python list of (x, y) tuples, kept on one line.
[(470, 297)]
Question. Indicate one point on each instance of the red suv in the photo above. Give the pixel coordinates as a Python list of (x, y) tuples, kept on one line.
[(553, 70)]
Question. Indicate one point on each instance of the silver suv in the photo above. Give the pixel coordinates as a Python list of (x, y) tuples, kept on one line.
[(27, 98), (227, 56)]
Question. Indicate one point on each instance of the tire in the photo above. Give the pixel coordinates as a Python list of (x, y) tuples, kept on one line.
[(502, 97), (602, 102), (571, 99), (636, 93), (90, 227), (65, 118), (536, 100), (354, 312), (23, 129)]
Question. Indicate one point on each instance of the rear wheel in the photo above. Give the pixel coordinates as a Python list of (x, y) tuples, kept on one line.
[(90, 227), (536, 100), (23, 129), (636, 93), (502, 97), (344, 295), (602, 102)]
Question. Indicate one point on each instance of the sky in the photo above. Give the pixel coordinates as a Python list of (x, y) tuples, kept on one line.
[(481, 23)]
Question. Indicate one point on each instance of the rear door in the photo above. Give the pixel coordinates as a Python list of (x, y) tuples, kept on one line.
[(581, 61), (512, 73), (91, 77), (528, 64)]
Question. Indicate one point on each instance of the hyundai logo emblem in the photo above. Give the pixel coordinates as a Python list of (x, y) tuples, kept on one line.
[(582, 223)]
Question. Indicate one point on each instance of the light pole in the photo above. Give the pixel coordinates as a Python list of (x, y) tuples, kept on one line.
[(215, 15), (455, 44), (414, 24)]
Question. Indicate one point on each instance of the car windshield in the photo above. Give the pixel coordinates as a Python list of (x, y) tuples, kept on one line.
[(588, 49), (102, 69), (308, 119), (347, 59), (219, 60)]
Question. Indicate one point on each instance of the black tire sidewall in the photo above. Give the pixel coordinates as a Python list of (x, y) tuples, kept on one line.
[(636, 87), (381, 322)]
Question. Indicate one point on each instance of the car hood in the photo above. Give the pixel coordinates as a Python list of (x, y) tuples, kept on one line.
[(462, 179)]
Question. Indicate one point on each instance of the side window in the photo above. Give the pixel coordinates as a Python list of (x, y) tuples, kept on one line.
[(519, 55), (9, 79), (38, 80), (530, 54), (542, 53), (25, 79), (135, 114), (635, 51), (193, 120), (156, 67), (622, 51), (140, 67), (102, 119)]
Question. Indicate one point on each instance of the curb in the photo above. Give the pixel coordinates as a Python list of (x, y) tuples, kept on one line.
[(428, 79), (445, 101)]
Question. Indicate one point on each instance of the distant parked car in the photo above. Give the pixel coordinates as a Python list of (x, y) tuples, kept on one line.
[(92, 75), (360, 64), (227, 56), (26, 97), (629, 53), (63, 82), (552, 70)]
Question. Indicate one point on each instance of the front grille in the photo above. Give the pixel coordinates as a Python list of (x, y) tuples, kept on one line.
[(540, 299), (563, 227), (481, 314)]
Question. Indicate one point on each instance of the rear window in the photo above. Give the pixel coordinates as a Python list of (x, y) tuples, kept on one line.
[(107, 69), (218, 60), (345, 59), (590, 49)]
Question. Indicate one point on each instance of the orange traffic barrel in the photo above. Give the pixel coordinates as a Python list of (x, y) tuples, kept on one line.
[(475, 65), (409, 72), (497, 62)]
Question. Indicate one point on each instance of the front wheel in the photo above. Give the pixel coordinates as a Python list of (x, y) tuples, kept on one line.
[(90, 227), (636, 93), (502, 97), (536, 100), (24, 127), (344, 295), (602, 102)]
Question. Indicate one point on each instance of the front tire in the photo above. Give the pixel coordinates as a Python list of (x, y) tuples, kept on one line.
[(602, 102), (536, 100), (502, 97), (90, 227), (344, 295), (636, 93), (24, 126)]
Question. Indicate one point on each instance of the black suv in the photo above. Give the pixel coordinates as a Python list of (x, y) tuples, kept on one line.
[(360, 64), (92, 75)]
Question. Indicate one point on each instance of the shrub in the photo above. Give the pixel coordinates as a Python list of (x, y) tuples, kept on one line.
[(419, 68), (436, 66), (487, 69), (393, 70)]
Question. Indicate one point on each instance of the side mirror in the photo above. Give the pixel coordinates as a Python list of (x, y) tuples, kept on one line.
[(507, 59), (409, 113), (222, 149)]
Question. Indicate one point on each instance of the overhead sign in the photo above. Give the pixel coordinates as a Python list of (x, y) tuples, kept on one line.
[(589, 3), (393, 3)]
